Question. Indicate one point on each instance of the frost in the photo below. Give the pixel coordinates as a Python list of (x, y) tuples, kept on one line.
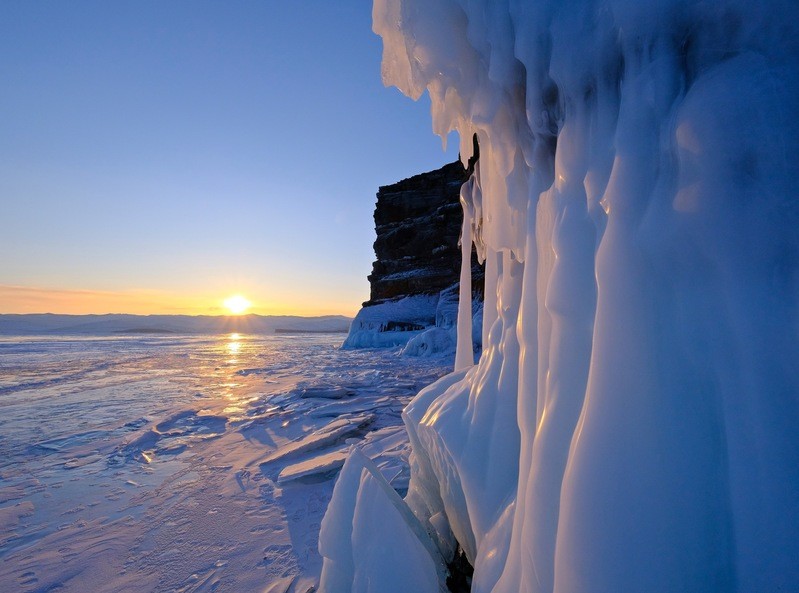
[(631, 424)]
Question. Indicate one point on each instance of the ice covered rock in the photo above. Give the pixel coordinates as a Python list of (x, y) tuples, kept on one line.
[(391, 323), (431, 342), (631, 424)]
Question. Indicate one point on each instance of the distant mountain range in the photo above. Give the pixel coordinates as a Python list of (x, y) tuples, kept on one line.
[(48, 323)]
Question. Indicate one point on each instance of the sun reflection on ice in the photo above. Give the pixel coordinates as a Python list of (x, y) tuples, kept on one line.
[(233, 345), (234, 390)]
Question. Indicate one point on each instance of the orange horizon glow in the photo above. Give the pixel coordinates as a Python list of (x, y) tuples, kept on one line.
[(28, 300)]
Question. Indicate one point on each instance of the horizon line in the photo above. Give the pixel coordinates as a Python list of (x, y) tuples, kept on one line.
[(219, 316)]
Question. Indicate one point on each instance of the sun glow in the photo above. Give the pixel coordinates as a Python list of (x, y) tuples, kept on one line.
[(237, 304)]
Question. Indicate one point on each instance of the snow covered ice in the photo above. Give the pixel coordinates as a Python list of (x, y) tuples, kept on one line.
[(186, 463), (632, 423)]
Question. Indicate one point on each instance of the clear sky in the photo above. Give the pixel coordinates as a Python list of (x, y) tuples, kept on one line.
[(157, 157)]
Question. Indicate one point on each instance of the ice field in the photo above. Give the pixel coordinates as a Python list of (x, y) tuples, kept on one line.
[(185, 463)]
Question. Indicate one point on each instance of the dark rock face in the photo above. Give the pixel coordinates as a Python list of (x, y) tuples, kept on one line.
[(418, 223), (415, 278)]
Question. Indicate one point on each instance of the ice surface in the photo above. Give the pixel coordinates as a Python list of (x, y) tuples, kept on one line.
[(151, 479), (631, 424), (389, 449), (181, 325)]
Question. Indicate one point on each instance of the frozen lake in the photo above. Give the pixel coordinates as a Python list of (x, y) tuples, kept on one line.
[(185, 463)]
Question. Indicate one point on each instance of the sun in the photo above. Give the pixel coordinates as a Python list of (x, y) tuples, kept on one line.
[(237, 304)]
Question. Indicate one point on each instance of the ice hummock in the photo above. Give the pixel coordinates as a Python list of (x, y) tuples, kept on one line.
[(631, 424)]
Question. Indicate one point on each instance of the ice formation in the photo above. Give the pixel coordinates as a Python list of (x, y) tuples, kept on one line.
[(632, 423), (371, 541)]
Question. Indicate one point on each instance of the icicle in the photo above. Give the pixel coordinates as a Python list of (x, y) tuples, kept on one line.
[(464, 355)]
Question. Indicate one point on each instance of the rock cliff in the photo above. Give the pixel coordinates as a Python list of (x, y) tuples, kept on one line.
[(415, 275), (418, 223)]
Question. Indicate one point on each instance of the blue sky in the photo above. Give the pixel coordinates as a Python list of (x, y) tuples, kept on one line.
[(169, 154)]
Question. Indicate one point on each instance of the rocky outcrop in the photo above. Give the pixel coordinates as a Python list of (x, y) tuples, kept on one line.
[(414, 280), (418, 224)]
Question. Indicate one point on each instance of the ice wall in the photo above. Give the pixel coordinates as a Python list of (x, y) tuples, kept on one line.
[(633, 423)]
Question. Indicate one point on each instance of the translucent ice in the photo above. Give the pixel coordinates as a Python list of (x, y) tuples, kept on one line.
[(370, 540), (631, 424)]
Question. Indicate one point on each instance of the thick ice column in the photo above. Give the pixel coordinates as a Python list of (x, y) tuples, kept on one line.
[(644, 505), (548, 413), (736, 214)]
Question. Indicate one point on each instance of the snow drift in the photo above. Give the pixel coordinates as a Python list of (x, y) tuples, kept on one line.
[(632, 422)]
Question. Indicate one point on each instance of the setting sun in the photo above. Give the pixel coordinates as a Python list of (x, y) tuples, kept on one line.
[(237, 304)]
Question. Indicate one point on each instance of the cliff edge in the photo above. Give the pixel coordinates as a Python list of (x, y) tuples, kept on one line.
[(414, 281)]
